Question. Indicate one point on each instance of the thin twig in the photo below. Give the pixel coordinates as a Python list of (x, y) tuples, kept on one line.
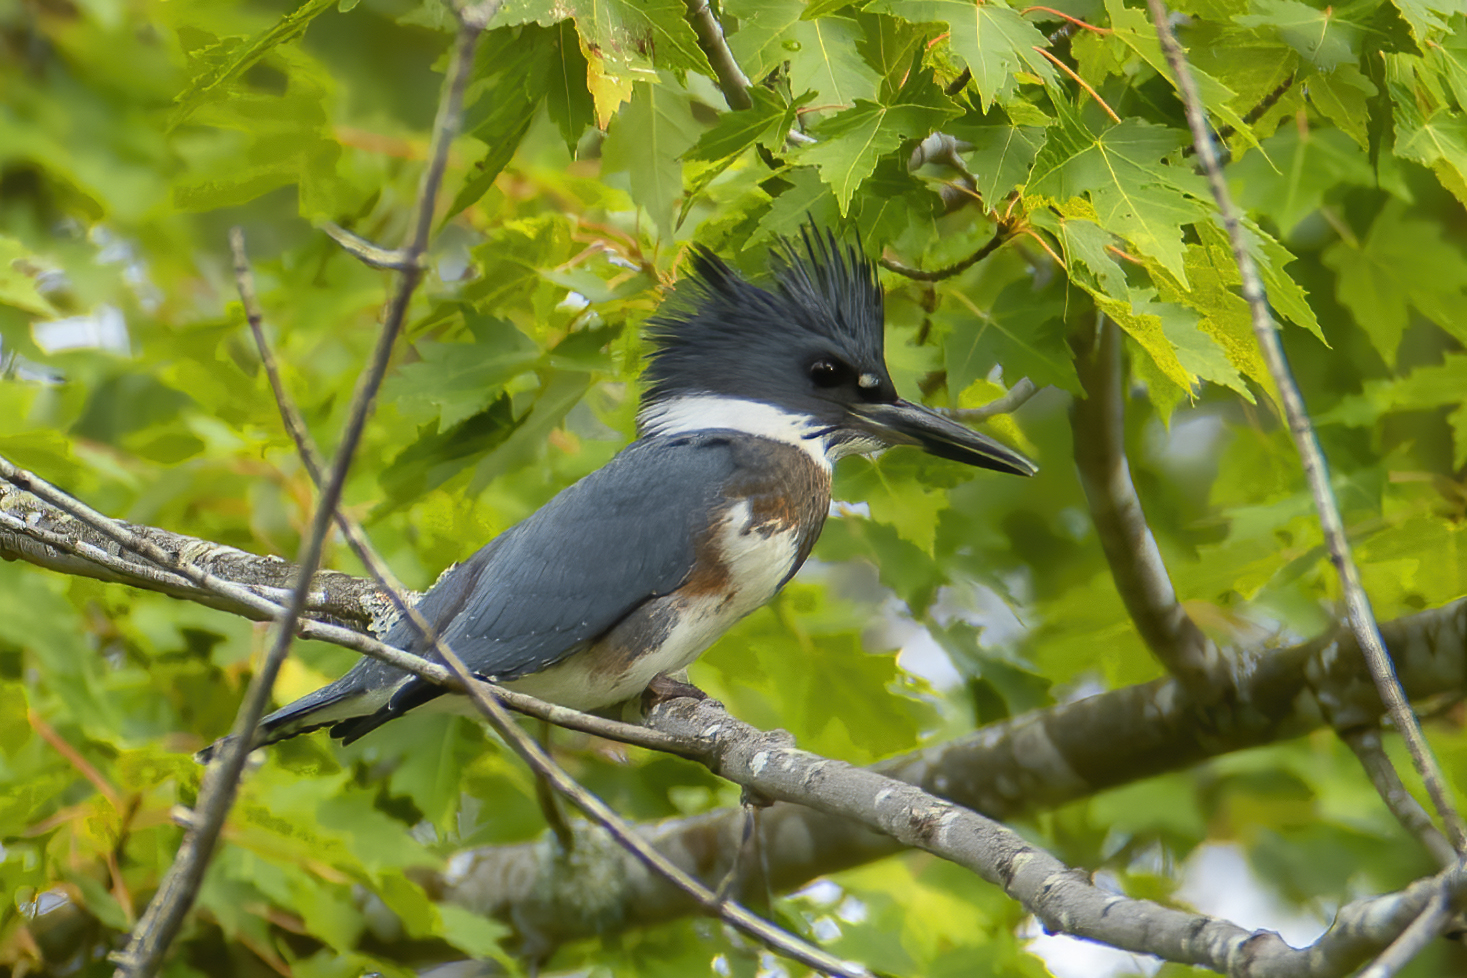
[(1001, 234), (1316, 472), (1141, 577), (1366, 743), (375, 256), (488, 699), (1253, 115), (1010, 402), (731, 78), (73, 757), (164, 916), (295, 426)]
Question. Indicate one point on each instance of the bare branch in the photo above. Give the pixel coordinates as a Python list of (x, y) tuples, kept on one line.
[(164, 916), (1001, 234), (1366, 743), (1141, 576), (731, 78), (1010, 402), (1316, 471), (241, 583), (1063, 899), (375, 256)]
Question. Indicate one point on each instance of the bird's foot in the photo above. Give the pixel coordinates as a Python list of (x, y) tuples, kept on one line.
[(664, 688)]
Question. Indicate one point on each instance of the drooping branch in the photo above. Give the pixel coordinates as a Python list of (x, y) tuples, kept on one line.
[(1099, 425)]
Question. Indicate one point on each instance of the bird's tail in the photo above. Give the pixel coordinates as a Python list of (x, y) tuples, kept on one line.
[(327, 706)]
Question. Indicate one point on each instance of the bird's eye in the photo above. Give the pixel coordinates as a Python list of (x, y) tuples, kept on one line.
[(827, 373)]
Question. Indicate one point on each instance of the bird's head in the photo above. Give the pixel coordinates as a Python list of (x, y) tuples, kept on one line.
[(803, 361)]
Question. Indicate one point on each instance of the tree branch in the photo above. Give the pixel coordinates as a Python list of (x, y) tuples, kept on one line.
[(1427, 927), (1316, 471), (1064, 900), (52, 538), (1365, 742), (1010, 402), (731, 78), (1032, 762), (1141, 577)]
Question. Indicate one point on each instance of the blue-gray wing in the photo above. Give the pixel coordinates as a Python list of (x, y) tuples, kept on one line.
[(549, 586), (581, 563)]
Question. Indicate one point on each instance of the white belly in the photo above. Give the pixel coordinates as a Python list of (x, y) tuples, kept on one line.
[(756, 562)]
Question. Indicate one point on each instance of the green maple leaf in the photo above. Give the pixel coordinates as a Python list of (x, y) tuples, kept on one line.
[(822, 54), (231, 58), (1434, 136), (1341, 95), (1403, 262), (1290, 182), (1425, 388), (1427, 18), (824, 59), (993, 40), (851, 142), (737, 131), (1001, 158), (1135, 195), (1321, 36), (649, 135), (623, 39), (1134, 29)]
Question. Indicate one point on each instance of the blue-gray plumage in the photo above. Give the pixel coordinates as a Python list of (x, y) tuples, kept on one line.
[(632, 572)]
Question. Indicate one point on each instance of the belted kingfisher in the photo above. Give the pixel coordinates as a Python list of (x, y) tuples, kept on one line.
[(751, 395)]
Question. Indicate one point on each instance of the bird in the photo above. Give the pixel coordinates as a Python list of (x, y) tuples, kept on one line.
[(751, 394)]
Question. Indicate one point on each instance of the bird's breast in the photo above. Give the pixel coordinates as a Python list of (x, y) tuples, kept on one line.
[(769, 518)]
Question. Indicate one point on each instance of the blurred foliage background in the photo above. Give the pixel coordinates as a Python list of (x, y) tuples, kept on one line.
[(597, 148)]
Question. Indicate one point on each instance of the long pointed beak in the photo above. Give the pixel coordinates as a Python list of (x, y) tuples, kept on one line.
[(905, 423)]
